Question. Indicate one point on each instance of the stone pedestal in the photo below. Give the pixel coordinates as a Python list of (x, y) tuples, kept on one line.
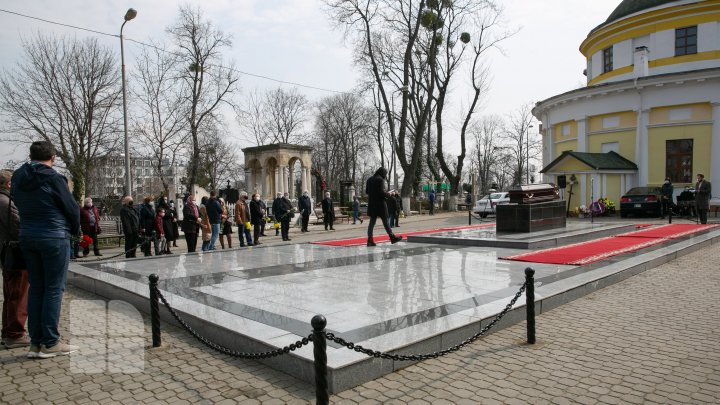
[(530, 217)]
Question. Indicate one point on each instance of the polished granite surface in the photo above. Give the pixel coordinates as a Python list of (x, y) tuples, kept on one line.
[(384, 297)]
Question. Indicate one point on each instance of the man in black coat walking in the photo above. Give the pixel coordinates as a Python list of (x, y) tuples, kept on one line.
[(375, 189)]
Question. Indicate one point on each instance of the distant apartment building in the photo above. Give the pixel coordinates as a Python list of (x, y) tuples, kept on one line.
[(108, 177)]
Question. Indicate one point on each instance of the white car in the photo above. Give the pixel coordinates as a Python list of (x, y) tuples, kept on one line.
[(487, 204)]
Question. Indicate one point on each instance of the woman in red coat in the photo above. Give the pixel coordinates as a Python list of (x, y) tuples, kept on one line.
[(90, 225)]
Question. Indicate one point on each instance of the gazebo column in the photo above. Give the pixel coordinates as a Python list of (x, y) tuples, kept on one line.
[(291, 182), (277, 182), (263, 182), (303, 179), (249, 181)]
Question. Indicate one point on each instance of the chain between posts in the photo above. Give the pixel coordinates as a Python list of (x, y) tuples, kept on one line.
[(225, 350), (426, 356)]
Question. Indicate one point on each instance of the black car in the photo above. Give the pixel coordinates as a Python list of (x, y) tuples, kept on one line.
[(642, 200)]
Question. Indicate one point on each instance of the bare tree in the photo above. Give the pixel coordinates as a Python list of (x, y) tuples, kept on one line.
[(344, 133), (65, 91), (385, 35), (516, 136), (449, 24), (161, 122), (276, 117), (208, 84), (252, 119), (486, 151), (219, 159)]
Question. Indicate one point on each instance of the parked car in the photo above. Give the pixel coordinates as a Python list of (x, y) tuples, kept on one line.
[(487, 204), (641, 200)]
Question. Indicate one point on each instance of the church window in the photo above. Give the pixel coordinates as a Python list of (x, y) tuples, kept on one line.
[(686, 41), (607, 59), (679, 159)]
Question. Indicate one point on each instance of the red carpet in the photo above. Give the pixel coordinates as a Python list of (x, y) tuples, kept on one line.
[(381, 238), (598, 249)]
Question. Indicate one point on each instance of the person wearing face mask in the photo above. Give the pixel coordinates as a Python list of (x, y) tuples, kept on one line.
[(147, 223), (131, 226), (328, 212), (305, 207), (242, 217), (161, 247), (90, 225), (703, 192), (191, 223), (257, 217)]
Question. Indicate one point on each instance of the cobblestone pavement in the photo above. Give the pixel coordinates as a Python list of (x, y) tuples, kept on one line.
[(650, 339)]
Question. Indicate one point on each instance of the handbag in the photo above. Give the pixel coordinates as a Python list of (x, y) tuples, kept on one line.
[(11, 254)]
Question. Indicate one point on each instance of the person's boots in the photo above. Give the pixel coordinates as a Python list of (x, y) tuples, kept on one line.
[(395, 239), (370, 242)]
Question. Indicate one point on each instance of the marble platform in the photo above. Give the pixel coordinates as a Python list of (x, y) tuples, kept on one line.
[(573, 232), (408, 298)]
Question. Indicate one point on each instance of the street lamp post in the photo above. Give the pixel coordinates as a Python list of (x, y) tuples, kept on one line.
[(129, 15), (527, 154)]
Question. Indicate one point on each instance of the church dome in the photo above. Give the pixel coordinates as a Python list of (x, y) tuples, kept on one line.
[(628, 7)]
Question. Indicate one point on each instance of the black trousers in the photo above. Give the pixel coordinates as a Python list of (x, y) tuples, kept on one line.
[(285, 228), (328, 221), (96, 245), (130, 245), (305, 221), (386, 225), (257, 230), (191, 240), (702, 215)]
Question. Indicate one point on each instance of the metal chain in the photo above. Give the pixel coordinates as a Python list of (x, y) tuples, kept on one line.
[(106, 258), (225, 350), (416, 357)]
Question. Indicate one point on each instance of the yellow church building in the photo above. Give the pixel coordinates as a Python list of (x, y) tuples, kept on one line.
[(651, 107)]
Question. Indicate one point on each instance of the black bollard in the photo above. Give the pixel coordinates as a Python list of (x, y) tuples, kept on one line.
[(155, 310), (469, 216), (670, 216), (530, 304), (318, 323)]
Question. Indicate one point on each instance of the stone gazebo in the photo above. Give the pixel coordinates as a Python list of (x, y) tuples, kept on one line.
[(269, 168)]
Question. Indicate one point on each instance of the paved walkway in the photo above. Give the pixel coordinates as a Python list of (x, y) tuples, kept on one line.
[(650, 339)]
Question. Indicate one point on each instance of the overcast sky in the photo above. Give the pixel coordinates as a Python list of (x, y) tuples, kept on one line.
[(294, 41)]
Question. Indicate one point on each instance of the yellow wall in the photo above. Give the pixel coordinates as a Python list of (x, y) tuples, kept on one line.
[(702, 140), (557, 131), (700, 112), (570, 165), (625, 139), (628, 119), (612, 189), (564, 146)]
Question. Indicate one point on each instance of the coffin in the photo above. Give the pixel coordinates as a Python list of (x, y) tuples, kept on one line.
[(533, 194)]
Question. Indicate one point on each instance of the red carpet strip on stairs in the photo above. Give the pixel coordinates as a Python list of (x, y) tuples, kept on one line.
[(598, 249), (382, 237)]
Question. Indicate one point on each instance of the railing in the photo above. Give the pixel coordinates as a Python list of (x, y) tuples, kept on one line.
[(319, 336)]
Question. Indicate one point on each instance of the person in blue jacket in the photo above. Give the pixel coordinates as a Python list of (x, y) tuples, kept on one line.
[(49, 218)]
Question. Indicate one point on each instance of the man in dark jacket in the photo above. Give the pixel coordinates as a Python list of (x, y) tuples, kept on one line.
[(147, 224), (130, 221), (15, 278), (375, 189), (49, 217), (282, 209), (667, 191), (214, 213), (305, 207), (257, 218), (703, 193), (90, 225), (328, 212)]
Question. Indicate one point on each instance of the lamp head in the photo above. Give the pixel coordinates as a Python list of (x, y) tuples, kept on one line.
[(131, 13)]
